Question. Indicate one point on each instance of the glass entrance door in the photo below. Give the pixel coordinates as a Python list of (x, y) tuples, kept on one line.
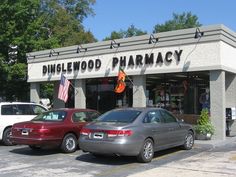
[(100, 94)]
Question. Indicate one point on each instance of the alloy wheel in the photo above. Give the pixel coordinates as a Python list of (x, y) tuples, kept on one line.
[(70, 143), (148, 150), (189, 141)]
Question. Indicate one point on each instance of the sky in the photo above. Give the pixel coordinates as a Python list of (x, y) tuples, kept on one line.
[(116, 15)]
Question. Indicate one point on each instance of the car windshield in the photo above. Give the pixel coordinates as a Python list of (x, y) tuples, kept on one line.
[(121, 116), (56, 116)]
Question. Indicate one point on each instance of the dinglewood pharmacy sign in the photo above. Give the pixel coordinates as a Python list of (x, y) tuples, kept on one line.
[(123, 61)]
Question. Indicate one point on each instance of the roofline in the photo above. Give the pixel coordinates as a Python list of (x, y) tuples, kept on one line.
[(212, 33)]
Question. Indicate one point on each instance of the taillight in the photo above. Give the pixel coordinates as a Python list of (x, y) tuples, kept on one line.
[(85, 131), (120, 133)]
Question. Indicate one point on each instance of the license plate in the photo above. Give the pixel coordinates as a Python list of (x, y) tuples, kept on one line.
[(98, 135), (24, 132)]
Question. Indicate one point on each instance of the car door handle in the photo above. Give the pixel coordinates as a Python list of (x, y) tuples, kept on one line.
[(171, 129)]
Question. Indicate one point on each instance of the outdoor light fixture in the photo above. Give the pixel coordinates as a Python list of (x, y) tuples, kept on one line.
[(81, 49), (152, 39), (198, 33), (31, 56), (114, 44), (52, 52)]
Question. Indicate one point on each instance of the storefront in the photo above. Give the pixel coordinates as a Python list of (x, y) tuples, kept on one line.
[(182, 71)]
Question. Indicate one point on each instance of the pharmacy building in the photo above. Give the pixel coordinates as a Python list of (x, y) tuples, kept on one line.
[(183, 71)]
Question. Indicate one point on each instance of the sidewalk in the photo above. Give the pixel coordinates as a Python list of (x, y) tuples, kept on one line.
[(204, 164), (215, 143)]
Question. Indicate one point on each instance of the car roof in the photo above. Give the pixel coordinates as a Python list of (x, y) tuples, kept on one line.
[(18, 102), (138, 108), (24, 103), (73, 109)]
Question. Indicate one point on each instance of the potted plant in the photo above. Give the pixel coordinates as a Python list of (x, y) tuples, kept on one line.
[(204, 128)]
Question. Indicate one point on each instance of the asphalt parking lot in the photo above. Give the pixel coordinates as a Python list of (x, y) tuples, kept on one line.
[(22, 161)]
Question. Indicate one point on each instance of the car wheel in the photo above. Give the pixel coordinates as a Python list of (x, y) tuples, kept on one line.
[(34, 147), (6, 137), (147, 151), (189, 141), (69, 143)]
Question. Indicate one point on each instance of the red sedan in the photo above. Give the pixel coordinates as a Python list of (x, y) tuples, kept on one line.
[(60, 128)]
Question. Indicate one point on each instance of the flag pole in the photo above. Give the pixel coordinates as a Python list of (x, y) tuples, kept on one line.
[(130, 80), (74, 88), (127, 76)]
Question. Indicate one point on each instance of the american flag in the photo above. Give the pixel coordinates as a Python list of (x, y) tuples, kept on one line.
[(63, 89)]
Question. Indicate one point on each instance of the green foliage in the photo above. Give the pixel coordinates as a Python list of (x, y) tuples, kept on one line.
[(204, 124), (16, 85), (79, 9), (34, 25), (179, 21), (115, 35), (3, 77), (131, 31), (66, 29), (46, 90)]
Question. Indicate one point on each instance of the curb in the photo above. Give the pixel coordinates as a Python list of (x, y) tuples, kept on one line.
[(214, 143)]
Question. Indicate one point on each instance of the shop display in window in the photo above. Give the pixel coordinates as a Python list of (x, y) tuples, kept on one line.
[(204, 99)]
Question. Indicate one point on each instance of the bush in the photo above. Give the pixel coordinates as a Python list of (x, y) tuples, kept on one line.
[(204, 125)]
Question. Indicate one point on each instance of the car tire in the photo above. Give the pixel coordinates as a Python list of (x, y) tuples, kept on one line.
[(34, 147), (189, 141), (147, 151), (69, 143), (6, 137)]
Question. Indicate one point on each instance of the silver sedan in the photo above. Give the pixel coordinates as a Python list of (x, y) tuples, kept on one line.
[(135, 132)]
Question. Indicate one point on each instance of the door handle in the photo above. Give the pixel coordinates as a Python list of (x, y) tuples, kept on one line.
[(171, 129)]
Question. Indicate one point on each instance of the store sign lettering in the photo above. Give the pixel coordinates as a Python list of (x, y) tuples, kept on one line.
[(72, 66), (147, 59), (131, 60)]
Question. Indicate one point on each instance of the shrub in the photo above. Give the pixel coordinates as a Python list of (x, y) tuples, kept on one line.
[(204, 125)]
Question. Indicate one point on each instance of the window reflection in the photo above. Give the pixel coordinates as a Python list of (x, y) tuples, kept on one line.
[(177, 92)]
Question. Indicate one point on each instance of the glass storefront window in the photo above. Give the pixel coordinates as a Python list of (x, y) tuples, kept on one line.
[(100, 94), (180, 93)]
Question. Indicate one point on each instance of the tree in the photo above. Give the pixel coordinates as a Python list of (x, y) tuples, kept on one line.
[(79, 9), (32, 25), (3, 79), (204, 125), (17, 87), (67, 30), (131, 31), (182, 21)]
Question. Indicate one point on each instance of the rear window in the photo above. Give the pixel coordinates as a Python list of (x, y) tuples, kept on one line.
[(53, 116), (124, 116)]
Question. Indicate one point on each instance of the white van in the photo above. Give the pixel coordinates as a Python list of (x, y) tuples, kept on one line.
[(14, 112)]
